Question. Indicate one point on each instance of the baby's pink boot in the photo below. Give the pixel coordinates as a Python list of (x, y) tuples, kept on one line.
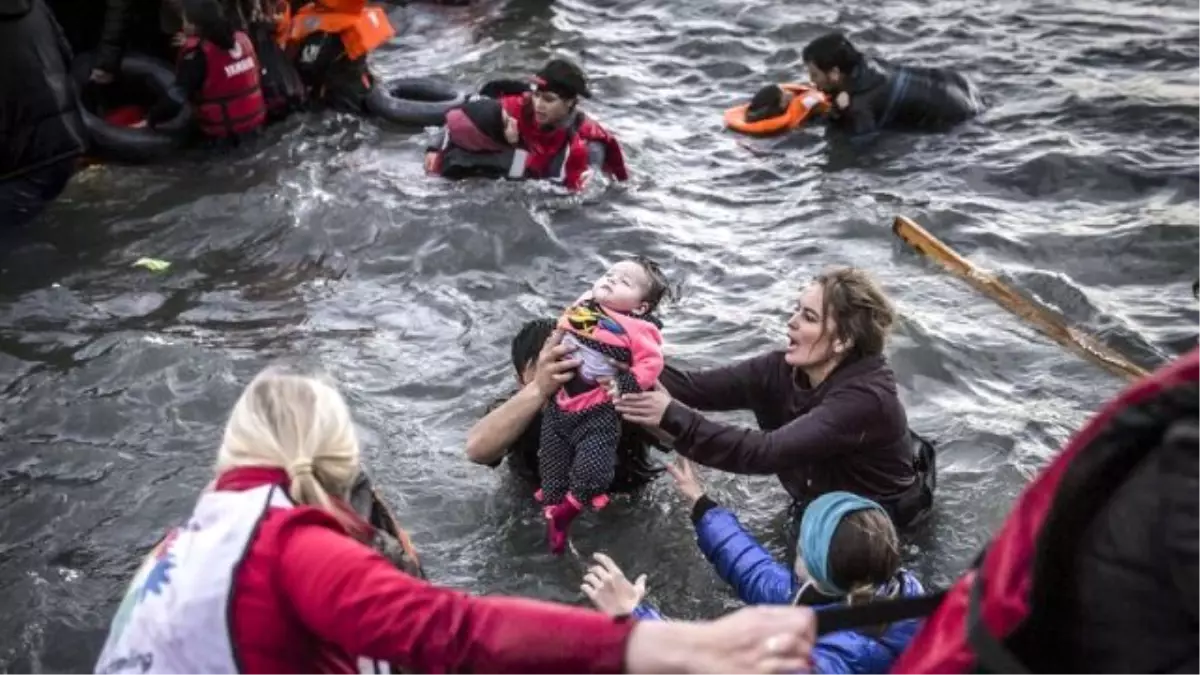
[(558, 523)]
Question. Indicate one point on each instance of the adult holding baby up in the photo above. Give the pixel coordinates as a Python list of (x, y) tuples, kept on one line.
[(615, 336), (828, 412)]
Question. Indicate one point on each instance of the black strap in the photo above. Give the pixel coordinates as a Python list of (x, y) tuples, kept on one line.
[(880, 612), (990, 654)]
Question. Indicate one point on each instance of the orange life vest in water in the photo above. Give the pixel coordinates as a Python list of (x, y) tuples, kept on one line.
[(361, 28), (805, 101)]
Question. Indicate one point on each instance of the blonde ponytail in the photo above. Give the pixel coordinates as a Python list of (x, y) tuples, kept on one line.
[(299, 423)]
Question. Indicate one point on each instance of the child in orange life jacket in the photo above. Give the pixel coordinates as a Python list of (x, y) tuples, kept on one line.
[(613, 322), (770, 101), (218, 72), (329, 41)]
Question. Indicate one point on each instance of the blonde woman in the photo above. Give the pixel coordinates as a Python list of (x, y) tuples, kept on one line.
[(269, 575)]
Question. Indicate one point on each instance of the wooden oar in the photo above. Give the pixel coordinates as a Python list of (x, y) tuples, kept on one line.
[(1041, 318)]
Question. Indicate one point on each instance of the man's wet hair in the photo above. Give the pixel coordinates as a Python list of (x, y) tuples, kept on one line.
[(528, 341), (660, 286), (832, 50), (767, 103)]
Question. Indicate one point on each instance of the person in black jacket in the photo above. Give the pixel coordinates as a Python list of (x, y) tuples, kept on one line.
[(41, 128), (871, 95), (139, 25), (1134, 593), (512, 427)]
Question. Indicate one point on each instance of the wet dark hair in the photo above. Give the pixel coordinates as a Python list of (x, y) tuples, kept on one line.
[(528, 341), (861, 313), (660, 286), (832, 50), (864, 553), (767, 103), (210, 21)]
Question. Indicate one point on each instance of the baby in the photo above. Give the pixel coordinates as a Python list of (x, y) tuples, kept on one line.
[(613, 322)]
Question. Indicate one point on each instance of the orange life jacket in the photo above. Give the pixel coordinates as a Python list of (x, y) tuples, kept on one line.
[(805, 101), (361, 28), (283, 22)]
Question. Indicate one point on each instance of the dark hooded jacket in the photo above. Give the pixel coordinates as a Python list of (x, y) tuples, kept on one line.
[(889, 97), (849, 433), (40, 121)]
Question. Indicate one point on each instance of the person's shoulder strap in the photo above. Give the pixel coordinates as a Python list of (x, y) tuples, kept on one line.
[(852, 617)]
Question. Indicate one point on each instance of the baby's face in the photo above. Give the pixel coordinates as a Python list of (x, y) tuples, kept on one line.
[(623, 288)]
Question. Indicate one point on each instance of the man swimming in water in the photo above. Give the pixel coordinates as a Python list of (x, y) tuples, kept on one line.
[(871, 95)]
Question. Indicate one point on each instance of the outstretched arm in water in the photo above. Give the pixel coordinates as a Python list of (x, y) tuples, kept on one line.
[(350, 597), (733, 387), (832, 428)]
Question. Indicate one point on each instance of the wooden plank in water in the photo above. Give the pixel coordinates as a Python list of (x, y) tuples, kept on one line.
[(1046, 321)]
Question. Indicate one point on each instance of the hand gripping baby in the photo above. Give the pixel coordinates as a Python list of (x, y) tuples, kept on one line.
[(611, 323)]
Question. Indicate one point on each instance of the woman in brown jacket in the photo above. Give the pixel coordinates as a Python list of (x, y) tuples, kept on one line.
[(828, 412)]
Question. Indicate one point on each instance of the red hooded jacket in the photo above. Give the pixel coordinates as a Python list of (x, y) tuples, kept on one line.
[(307, 597), (562, 152)]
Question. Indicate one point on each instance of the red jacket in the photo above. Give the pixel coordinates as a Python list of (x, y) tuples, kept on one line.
[(307, 597), (230, 101), (562, 151)]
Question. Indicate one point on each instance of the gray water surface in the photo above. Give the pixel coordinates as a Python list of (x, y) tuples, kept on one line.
[(326, 243)]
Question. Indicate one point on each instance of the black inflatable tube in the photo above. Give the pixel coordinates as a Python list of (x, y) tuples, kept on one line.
[(135, 145), (414, 101)]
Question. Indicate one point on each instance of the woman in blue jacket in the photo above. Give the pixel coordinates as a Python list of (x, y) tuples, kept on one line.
[(848, 550)]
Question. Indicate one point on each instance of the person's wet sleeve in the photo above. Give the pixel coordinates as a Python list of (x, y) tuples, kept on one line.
[(350, 596), (731, 387), (112, 38), (834, 427), (837, 657), (741, 561), (862, 125), (1181, 513), (647, 613)]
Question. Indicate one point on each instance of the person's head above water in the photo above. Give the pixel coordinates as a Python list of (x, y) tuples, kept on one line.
[(848, 546), (207, 20), (481, 125), (301, 424), (770, 101), (831, 59), (526, 345), (842, 314), (634, 286), (557, 89)]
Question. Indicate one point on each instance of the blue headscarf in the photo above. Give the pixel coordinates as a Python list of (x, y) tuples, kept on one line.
[(820, 521)]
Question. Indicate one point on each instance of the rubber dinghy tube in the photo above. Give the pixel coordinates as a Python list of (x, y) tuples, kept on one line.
[(414, 101), (150, 78)]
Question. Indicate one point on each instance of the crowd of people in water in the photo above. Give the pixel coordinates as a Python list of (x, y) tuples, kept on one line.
[(219, 70), (290, 562)]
